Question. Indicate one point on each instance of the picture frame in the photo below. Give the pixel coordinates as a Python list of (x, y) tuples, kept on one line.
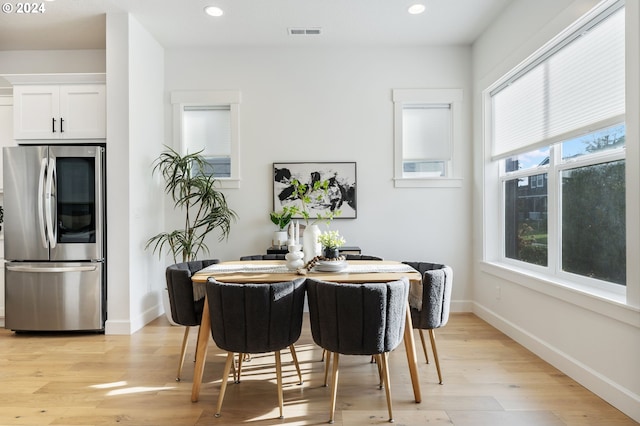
[(342, 194)]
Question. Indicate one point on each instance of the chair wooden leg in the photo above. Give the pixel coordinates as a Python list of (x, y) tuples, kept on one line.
[(432, 336), (380, 373), (233, 368), (240, 358), (327, 363), (183, 352), (279, 381), (324, 352), (225, 378), (334, 384), (424, 345), (295, 362), (384, 360)]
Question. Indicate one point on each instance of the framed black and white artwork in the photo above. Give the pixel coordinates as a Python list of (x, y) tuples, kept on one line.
[(341, 193)]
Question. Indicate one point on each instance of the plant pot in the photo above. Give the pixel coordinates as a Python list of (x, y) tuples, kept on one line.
[(280, 238), (330, 253)]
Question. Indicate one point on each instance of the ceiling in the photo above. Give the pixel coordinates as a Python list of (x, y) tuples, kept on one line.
[(80, 24)]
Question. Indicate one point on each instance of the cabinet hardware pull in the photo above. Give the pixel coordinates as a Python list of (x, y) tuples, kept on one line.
[(61, 123), (53, 124)]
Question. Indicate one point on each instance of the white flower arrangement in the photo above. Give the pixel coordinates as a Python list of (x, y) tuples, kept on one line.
[(331, 239)]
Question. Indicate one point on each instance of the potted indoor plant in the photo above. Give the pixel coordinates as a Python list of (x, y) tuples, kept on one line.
[(331, 241), (281, 219), (192, 191)]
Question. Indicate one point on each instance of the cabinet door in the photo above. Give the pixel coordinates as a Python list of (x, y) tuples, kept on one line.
[(83, 111), (36, 113), (6, 129)]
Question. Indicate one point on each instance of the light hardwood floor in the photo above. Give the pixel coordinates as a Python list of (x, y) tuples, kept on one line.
[(70, 379)]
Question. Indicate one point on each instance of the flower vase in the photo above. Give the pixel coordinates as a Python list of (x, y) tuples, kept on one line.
[(310, 245), (331, 253)]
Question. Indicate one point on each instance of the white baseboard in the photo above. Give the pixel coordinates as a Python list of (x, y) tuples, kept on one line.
[(618, 396), (135, 324)]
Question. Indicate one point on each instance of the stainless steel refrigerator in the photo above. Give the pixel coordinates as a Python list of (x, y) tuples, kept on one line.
[(54, 241)]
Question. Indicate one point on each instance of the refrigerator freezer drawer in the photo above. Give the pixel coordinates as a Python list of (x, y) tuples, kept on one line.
[(54, 296)]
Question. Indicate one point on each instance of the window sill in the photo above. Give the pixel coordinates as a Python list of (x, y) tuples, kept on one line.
[(610, 304), (427, 182), (225, 183)]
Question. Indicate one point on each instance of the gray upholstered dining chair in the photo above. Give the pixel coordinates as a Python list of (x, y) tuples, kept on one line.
[(358, 319), (276, 256), (255, 318), (350, 256), (184, 309), (437, 281)]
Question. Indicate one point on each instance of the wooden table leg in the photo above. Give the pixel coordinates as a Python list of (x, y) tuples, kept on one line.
[(410, 348), (201, 351)]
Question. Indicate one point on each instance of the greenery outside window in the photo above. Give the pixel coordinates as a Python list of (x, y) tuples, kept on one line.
[(208, 122), (588, 181), (427, 127)]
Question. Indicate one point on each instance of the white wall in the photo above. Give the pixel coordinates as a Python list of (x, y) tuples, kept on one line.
[(146, 140), (322, 104), (50, 62), (135, 132), (597, 342)]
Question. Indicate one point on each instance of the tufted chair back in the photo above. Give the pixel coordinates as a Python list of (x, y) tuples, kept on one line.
[(349, 256), (437, 282), (357, 319), (263, 257), (184, 310)]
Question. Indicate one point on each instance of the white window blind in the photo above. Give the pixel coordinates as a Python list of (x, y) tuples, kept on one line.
[(577, 87), (208, 128), (426, 131)]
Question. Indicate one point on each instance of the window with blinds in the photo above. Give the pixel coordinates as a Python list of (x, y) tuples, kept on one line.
[(208, 122), (427, 137), (575, 87), (558, 138), (207, 129), (428, 126)]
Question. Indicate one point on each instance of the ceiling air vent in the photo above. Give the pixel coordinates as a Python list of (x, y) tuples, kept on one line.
[(305, 31)]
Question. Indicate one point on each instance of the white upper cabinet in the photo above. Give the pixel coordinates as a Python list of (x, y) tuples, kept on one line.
[(69, 111)]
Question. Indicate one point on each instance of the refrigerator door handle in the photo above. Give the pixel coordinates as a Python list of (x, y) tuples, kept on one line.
[(50, 195), (19, 268), (41, 224)]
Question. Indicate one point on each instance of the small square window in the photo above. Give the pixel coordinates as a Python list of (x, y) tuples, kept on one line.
[(425, 136)]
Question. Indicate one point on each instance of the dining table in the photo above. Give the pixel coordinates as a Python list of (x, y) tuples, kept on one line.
[(260, 271)]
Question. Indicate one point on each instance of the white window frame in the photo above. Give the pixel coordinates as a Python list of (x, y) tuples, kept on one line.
[(554, 268), (452, 97), (230, 98), (530, 275)]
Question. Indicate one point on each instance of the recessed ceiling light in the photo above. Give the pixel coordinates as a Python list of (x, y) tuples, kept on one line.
[(213, 11), (417, 9)]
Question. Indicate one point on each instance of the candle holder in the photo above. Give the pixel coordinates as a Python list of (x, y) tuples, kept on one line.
[(294, 257)]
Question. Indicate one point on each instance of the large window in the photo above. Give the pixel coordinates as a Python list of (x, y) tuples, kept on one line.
[(207, 122), (558, 135)]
